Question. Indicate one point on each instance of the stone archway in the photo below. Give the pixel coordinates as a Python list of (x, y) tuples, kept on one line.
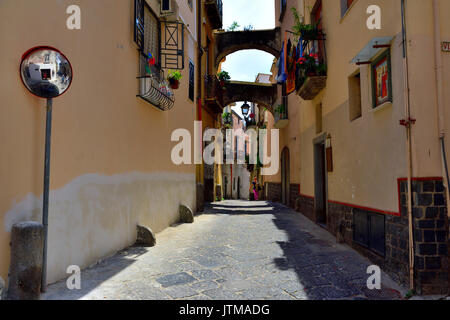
[(232, 41)]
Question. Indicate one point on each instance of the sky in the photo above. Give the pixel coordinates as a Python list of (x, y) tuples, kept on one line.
[(246, 64)]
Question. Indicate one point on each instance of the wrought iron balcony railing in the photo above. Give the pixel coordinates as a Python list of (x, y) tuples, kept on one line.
[(311, 72), (280, 115), (214, 8), (154, 88)]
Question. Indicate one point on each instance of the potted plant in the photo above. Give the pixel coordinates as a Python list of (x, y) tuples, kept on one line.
[(174, 78), (305, 31), (308, 64), (223, 76), (226, 117)]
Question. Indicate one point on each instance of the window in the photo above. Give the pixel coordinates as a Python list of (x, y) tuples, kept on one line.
[(345, 6), (284, 112), (381, 79), (160, 46), (191, 80), (151, 34), (166, 6), (354, 96), (369, 231), (162, 39), (319, 118), (283, 4), (316, 18), (147, 36)]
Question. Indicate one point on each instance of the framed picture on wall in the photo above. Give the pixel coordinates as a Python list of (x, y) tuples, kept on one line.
[(382, 79)]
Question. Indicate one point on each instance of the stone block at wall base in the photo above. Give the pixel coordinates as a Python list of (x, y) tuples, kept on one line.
[(430, 223), (186, 214), (294, 192), (305, 205), (25, 271), (145, 237), (273, 191)]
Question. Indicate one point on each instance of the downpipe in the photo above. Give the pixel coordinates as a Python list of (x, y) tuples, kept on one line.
[(199, 173), (408, 146)]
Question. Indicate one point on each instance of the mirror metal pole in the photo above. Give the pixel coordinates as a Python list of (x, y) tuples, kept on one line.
[(48, 133)]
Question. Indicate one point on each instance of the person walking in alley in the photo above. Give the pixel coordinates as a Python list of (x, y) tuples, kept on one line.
[(255, 189)]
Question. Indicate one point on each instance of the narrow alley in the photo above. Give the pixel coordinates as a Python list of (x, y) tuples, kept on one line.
[(225, 150), (235, 250)]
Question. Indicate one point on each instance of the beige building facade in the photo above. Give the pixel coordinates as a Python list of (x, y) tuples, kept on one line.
[(345, 151)]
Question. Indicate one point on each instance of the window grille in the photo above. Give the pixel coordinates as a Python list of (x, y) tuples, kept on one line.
[(191, 81), (153, 86)]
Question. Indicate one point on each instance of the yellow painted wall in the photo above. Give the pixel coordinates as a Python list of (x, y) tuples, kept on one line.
[(111, 166), (369, 153)]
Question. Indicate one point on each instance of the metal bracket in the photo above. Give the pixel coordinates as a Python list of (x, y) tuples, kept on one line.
[(408, 122)]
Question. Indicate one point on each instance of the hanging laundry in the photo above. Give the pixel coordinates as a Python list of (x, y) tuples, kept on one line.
[(150, 62), (290, 61), (290, 81)]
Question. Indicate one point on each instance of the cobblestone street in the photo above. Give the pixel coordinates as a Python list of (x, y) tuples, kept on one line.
[(235, 250)]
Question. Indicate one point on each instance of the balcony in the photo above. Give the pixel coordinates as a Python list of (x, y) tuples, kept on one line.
[(214, 93), (280, 116), (214, 10), (311, 74)]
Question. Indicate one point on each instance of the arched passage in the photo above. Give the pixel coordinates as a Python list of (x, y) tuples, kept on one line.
[(228, 42), (261, 93)]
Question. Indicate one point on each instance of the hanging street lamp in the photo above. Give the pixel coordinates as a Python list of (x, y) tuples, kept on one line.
[(245, 109)]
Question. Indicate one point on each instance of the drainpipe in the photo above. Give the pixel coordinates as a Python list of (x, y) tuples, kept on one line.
[(408, 145), (439, 92), (199, 77)]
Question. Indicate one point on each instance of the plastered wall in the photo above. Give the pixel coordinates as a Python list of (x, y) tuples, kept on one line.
[(110, 161)]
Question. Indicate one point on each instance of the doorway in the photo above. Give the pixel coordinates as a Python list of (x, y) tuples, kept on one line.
[(239, 188), (320, 181), (225, 196), (285, 176)]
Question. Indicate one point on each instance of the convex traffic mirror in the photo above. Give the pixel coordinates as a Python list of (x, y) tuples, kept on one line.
[(46, 72)]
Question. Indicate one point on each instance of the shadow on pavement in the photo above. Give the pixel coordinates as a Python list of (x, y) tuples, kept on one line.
[(325, 269), (97, 274)]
